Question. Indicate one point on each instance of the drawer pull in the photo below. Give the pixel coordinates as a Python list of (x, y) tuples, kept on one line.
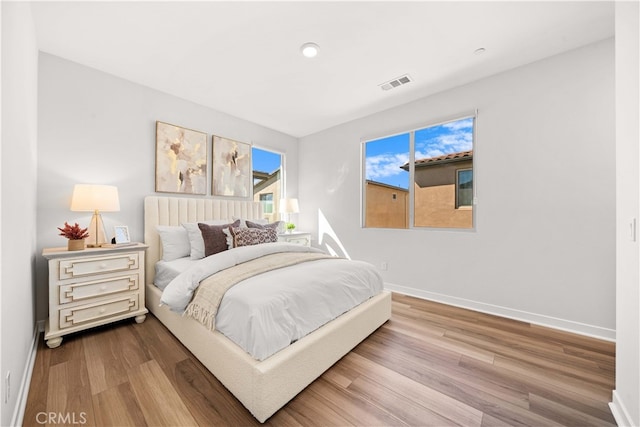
[(103, 310), (102, 266), (103, 288)]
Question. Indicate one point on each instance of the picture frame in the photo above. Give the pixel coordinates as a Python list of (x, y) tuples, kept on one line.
[(231, 171), (121, 234), (181, 160)]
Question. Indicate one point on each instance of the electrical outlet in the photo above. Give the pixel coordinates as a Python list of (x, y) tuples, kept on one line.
[(7, 387)]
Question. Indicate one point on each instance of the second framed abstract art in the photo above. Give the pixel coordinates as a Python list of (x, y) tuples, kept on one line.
[(231, 168)]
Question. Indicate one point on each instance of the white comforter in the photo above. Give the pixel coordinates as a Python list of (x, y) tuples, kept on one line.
[(267, 312)]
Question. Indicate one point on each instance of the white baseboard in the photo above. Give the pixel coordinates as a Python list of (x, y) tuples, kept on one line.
[(524, 316), (619, 411), (21, 403)]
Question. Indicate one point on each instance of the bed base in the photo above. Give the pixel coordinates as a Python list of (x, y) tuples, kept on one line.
[(265, 386)]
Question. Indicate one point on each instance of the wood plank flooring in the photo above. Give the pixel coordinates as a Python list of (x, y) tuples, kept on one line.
[(430, 365)]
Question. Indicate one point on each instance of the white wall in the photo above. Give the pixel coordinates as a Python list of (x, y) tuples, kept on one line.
[(626, 398), (18, 202), (97, 128), (544, 247)]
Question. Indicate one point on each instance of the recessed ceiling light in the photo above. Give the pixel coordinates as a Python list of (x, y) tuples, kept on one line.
[(310, 50)]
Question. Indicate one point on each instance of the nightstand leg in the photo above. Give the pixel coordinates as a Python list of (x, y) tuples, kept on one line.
[(140, 319), (54, 342)]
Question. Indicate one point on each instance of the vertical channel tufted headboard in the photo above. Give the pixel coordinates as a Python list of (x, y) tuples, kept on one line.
[(159, 210)]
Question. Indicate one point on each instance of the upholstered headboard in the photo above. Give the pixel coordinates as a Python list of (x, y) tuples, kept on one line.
[(176, 210)]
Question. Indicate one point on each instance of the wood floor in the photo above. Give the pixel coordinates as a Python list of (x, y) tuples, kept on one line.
[(430, 365)]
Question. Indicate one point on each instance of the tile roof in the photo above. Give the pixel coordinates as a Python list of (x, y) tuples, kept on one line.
[(447, 158)]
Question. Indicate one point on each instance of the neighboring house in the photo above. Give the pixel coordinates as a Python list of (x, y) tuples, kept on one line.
[(444, 190), (266, 190), (387, 206)]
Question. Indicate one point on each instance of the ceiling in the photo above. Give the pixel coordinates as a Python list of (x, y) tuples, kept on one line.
[(243, 58)]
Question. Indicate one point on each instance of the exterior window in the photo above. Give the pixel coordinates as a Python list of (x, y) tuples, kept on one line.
[(430, 170), (267, 203), (464, 188), (267, 181)]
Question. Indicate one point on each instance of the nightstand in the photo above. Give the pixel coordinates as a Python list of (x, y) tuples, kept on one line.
[(297, 237), (93, 287)]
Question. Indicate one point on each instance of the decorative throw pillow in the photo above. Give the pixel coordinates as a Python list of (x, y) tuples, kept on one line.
[(175, 242), (252, 236), (243, 221), (195, 235), (215, 240), (278, 225)]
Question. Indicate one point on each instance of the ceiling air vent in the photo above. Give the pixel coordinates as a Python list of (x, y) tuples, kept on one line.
[(398, 81)]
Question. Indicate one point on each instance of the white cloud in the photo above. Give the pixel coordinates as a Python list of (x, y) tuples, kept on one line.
[(385, 165), (459, 125), (452, 137)]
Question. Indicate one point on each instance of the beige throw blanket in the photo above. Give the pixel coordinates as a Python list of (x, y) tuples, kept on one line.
[(208, 296)]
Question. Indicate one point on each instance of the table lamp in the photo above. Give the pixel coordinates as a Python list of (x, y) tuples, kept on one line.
[(289, 206), (95, 198)]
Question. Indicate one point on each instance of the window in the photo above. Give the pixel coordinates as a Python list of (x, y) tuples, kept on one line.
[(464, 188), (267, 181), (386, 184), (438, 162), (267, 203)]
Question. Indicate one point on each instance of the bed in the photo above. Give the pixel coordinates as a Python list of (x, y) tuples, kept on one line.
[(264, 386)]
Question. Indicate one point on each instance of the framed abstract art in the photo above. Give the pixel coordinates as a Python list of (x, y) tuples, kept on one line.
[(181, 160), (231, 168)]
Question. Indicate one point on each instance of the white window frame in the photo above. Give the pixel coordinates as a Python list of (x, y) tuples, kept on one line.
[(411, 132), (283, 168)]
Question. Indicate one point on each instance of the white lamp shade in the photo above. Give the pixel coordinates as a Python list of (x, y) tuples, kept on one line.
[(289, 206), (90, 198)]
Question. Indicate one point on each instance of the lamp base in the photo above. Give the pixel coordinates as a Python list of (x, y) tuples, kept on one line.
[(96, 231)]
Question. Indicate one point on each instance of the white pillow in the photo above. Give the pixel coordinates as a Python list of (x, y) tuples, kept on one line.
[(227, 232), (195, 236), (175, 242)]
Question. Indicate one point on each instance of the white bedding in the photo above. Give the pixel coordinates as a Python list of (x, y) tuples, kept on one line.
[(266, 313), (166, 271)]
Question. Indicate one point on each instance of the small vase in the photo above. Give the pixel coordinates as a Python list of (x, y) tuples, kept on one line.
[(76, 245)]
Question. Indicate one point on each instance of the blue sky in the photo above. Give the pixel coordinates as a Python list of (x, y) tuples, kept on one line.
[(265, 161), (385, 156)]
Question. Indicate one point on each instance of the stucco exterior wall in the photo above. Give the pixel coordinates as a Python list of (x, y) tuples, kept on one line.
[(435, 197), (383, 210)]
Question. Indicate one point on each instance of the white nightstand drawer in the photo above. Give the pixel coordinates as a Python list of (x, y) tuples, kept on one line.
[(94, 312), (304, 241), (85, 290), (80, 267), (298, 238)]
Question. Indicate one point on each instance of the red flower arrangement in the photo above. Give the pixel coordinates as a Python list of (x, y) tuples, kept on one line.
[(73, 232)]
